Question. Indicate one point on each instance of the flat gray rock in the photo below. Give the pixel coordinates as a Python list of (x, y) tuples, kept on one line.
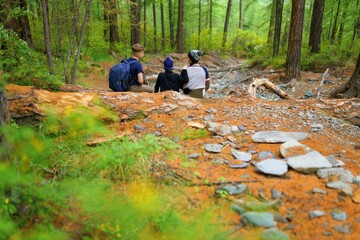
[(273, 234), (243, 156), (272, 167), (344, 187), (259, 219), (327, 172), (292, 147), (278, 137), (213, 148), (232, 189), (219, 129), (308, 163)]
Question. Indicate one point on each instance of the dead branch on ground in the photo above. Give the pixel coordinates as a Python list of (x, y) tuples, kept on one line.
[(269, 85)]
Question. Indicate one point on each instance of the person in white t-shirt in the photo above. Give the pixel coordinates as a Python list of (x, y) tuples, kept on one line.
[(199, 79)]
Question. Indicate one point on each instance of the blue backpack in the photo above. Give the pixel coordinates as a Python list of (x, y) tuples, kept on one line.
[(120, 77)]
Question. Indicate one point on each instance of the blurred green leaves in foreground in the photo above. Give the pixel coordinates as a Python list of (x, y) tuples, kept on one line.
[(54, 186)]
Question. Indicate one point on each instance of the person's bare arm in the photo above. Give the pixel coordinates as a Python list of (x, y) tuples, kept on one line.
[(140, 78)]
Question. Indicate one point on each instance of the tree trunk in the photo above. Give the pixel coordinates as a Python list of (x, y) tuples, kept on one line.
[(145, 21), (113, 25), (356, 30), (171, 23), (211, 15), (226, 26), (352, 88), (180, 28), (356, 24), (342, 22), (277, 30), (106, 18), (162, 26), (241, 14), (155, 33), (316, 26), (47, 40), (19, 24), (199, 25), (135, 21), (295, 39), (272, 22), (83, 28), (334, 29), (4, 109), (25, 25)]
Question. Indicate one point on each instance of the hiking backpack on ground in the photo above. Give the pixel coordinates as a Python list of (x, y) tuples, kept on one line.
[(119, 76)]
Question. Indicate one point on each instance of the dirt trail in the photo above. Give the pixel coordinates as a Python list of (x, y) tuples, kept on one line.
[(298, 200)]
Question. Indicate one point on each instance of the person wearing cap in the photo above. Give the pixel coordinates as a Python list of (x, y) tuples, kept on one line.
[(169, 80), (199, 79), (136, 70)]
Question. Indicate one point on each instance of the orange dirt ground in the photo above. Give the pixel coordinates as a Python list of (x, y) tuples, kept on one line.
[(298, 199)]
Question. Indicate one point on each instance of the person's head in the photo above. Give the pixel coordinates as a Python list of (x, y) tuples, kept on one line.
[(168, 63), (138, 50), (194, 56)]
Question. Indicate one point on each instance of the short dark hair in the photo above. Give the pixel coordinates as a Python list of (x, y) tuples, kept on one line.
[(137, 48)]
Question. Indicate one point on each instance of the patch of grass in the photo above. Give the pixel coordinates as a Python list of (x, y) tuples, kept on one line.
[(193, 133)]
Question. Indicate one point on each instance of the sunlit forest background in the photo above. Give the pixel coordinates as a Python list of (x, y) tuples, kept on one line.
[(52, 185)]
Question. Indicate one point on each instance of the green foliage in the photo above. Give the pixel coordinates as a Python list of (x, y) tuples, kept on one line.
[(55, 179), (192, 133), (21, 65), (245, 43), (97, 46), (128, 160), (25, 202)]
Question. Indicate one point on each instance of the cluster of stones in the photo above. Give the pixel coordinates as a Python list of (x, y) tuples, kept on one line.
[(296, 156)]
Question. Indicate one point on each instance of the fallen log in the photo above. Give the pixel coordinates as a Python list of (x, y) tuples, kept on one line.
[(269, 85)]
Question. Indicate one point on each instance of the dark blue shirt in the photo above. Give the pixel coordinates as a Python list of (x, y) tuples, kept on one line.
[(135, 69)]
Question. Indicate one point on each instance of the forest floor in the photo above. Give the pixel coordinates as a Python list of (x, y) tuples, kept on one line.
[(298, 197)]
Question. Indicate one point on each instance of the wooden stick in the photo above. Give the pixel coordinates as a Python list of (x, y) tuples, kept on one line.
[(269, 85), (321, 83)]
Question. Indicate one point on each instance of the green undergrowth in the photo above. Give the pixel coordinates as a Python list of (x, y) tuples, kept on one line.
[(55, 186)]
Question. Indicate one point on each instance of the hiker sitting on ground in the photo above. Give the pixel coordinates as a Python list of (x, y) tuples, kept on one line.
[(136, 70), (199, 79), (169, 80)]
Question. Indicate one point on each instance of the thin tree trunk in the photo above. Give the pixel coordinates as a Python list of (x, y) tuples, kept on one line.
[(135, 21), (25, 25), (83, 28), (356, 24), (240, 14), (199, 25), (226, 26), (295, 39), (277, 30), (113, 25), (145, 21), (171, 23), (72, 35), (106, 18), (316, 26), (162, 25), (4, 109), (47, 35), (155, 33), (4, 119), (211, 16), (334, 29), (342, 22), (272, 22), (180, 28)]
